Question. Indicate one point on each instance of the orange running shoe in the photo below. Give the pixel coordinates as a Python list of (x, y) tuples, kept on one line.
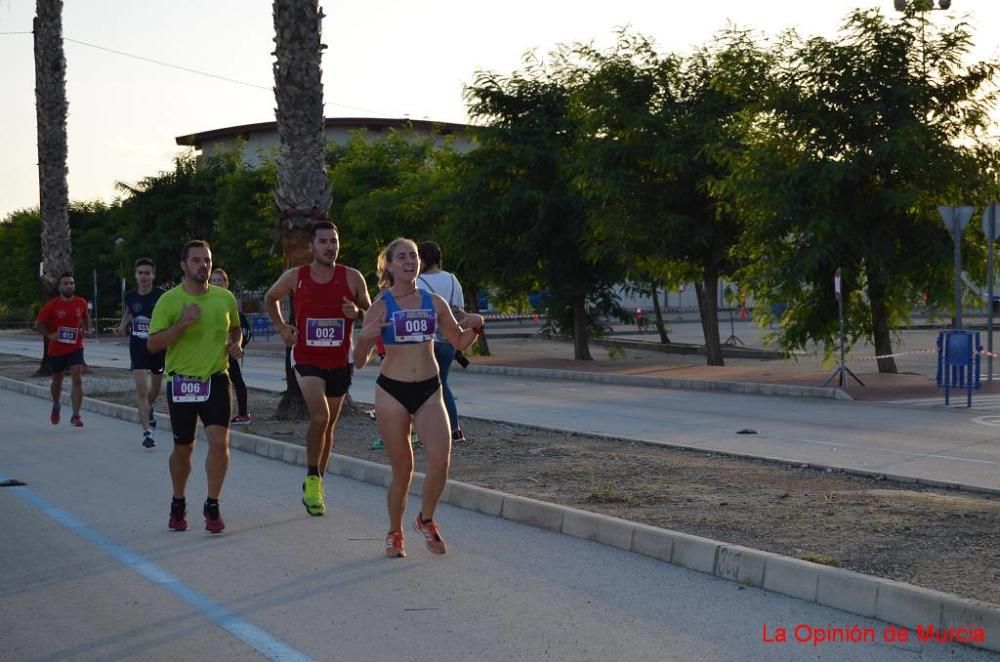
[(394, 545), (429, 530)]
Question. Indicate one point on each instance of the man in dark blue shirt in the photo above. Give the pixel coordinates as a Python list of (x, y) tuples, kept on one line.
[(138, 310)]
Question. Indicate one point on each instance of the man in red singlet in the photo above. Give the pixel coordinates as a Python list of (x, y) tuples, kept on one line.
[(64, 320), (327, 299)]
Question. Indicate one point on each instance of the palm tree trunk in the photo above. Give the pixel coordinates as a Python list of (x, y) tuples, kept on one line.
[(303, 191), (51, 109)]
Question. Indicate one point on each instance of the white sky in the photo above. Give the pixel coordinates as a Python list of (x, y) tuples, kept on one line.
[(385, 58)]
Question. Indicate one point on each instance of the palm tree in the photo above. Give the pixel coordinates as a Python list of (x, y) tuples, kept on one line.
[(51, 109), (303, 192)]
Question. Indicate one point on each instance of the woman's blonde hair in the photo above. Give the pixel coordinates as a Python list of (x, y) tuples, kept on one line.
[(225, 276), (385, 257)]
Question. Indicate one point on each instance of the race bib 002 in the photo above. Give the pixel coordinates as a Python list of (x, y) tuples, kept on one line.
[(68, 334), (189, 389), (414, 325), (328, 332)]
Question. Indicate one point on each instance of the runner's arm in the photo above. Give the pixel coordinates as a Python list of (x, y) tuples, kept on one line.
[(162, 339), (282, 287), (364, 343), (453, 333), (126, 319)]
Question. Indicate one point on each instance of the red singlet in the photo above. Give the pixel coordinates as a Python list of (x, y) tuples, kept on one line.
[(324, 333)]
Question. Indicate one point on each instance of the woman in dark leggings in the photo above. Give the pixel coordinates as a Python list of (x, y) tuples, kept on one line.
[(221, 279)]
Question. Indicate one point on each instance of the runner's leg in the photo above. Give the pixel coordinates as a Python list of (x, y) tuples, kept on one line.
[(141, 397), (334, 406), (431, 424), (394, 427), (217, 462), (76, 395), (313, 389)]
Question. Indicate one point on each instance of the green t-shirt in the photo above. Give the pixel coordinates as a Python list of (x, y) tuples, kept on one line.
[(200, 350)]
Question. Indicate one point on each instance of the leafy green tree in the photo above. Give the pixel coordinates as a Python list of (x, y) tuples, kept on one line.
[(21, 290), (863, 137), (655, 124), (526, 222)]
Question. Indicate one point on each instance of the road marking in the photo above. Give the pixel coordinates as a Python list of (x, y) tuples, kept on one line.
[(992, 421), (260, 640)]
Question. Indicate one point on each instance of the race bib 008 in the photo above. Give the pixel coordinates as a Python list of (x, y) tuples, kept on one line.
[(414, 325)]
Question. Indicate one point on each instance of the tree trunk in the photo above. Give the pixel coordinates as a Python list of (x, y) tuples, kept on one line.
[(51, 109), (881, 334), (581, 349), (658, 313), (303, 191), (708, 305)]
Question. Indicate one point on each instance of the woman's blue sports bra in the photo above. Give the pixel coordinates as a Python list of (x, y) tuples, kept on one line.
[(409, 326)]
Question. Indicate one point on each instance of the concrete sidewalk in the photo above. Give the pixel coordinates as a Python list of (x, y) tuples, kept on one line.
[(636, 359)]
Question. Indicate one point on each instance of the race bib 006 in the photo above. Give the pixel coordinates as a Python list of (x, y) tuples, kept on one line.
[(189, 389), (414, 325), (327, 332), (68, 335)]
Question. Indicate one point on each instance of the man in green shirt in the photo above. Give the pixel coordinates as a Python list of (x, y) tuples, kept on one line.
[(199, 326)]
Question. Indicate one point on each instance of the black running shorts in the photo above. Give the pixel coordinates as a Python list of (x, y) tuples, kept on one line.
[(336, 380), (217, 410)]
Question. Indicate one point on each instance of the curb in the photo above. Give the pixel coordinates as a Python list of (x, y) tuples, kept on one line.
[(758, 388), (886, 600), (749, 388)]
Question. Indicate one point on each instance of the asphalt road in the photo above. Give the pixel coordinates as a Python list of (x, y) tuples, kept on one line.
[(933, 443), (88, 571)]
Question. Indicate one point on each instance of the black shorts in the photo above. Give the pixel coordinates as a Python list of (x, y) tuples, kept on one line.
[(411, 395), (66, 361), (143, 360), (337, 380), (217, 410)]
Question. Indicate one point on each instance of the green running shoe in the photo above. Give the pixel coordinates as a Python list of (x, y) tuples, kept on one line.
[(312, 496)]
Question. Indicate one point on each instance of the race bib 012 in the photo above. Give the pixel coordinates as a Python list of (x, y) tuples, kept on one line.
[(414, 325), (324, 332), (68, 334)]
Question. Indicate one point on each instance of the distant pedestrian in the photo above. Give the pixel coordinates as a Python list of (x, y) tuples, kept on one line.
[(443, 283), (64, 320), (147, 368), (199, 326), (221, 279), (408, 388)]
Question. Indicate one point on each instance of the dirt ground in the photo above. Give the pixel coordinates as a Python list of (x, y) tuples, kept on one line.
[(939, 539)]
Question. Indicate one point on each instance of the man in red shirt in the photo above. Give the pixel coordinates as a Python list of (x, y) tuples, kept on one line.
[(64, 320), (328, 298)]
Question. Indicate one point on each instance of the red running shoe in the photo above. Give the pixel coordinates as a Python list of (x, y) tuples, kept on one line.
[(213, 518), (429, 530), (394, 545), (178, 516), (76, 421), (54, 416)]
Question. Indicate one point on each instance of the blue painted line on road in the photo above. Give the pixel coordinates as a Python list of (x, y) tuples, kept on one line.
[(260, 640)]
